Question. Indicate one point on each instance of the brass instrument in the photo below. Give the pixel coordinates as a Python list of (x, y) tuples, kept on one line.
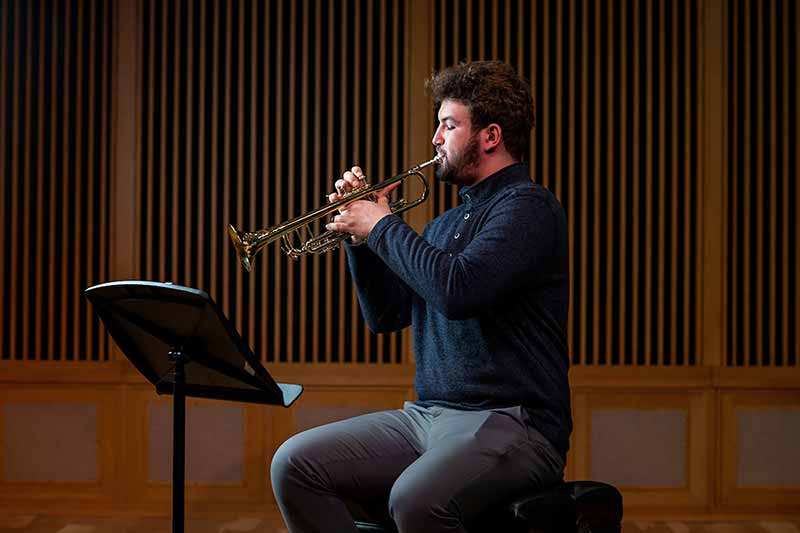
[(248, 244)]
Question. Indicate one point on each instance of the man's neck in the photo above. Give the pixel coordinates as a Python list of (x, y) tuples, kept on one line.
[(491, 163)]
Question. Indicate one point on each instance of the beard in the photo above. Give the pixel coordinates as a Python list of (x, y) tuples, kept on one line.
[(459, 167)]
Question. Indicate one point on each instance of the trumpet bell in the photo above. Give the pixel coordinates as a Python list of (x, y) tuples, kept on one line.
[(241, 249)]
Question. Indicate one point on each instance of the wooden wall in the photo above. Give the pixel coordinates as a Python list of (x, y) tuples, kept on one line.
[(132, 132)]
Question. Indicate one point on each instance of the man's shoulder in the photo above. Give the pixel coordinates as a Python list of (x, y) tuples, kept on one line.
[(529, 191)]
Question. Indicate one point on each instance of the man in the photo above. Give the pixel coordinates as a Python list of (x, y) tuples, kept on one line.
[(486, 291)]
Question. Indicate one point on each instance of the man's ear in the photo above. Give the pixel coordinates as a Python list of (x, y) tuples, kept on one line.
[(492, 137)]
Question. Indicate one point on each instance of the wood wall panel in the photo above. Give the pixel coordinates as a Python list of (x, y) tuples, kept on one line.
[(699, 409), (55, 179), (616, 90), (763, 311), (775, 496), (124, 152), (57, 399)]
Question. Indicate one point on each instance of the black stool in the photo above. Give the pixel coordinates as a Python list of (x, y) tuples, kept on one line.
[(570, 507)]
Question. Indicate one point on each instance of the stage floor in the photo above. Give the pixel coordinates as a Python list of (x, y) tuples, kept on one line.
[(52, 524)]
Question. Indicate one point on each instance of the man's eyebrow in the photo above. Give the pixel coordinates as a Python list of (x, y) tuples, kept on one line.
[(448, 117)]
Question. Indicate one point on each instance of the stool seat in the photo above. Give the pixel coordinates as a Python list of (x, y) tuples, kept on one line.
[(575, 506)]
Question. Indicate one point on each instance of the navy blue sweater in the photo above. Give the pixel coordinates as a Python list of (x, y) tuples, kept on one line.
[(486, 288)]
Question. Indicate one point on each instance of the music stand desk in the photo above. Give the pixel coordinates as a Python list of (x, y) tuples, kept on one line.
[(181, 342)]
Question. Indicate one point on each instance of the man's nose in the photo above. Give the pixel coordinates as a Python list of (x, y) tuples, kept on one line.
[(437, 139)]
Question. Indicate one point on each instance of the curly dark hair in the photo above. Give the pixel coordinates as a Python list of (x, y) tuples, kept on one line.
[(494, 93)]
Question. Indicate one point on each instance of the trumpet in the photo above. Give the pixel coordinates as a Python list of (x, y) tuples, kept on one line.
[(248, 244)]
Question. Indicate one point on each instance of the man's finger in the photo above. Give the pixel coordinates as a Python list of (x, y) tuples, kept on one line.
[(385, 192), (352, 180)]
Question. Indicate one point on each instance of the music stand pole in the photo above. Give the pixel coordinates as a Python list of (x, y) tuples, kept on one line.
[(178, 440)]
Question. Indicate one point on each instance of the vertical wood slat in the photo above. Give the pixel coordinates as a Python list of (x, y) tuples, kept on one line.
[(381, 148), (544, 110), (674, 184), (747, 118), (345, 111), (90, 188), (290, 166), (796, 149), (5, 21), (608, 312), (203, 156), (40, 186), (67, 98), (623, 159), (397, 42), (24, 134), (241, 180), (13, 158), (330, 103), (773, 189), (15, 166), (452, 192), (103, 219), (570, 207), (367, 150), (229, 301), (734, 122), (494, 29), (661, 154), (785, 196), (558, 124), (51, 240), (189, 178), (264, 204), (174, 174), (596, 212), (583, 330), (441, 189), (759, 191), (317, 173), (532, 51), (215, 128), (649, 134), (687, 187), (150, 168), (357, 151), (279, 171), (162, 177), (636, 178)]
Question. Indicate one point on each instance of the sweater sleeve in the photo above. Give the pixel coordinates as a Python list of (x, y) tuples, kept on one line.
[(384, 299), (509, 250)]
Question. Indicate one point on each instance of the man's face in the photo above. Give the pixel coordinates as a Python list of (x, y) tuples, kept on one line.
[(455, 140)]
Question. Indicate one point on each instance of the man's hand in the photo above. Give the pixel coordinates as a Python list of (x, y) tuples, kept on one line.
[(358, 218)]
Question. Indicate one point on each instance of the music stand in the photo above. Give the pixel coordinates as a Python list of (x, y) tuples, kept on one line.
[(182, 343)]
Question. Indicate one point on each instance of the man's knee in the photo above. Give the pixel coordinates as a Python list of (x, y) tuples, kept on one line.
[(290, 465), (413, 508)]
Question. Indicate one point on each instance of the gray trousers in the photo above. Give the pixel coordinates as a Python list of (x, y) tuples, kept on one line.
[(430, 469)]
